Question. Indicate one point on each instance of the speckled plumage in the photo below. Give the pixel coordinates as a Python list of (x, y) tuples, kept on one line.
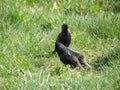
[(71, 57), (66, 56)]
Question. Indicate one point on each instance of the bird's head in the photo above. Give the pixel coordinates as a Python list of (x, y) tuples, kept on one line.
[(64, 28)]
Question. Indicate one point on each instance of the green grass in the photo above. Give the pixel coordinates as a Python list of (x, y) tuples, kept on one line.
[(28, 30)]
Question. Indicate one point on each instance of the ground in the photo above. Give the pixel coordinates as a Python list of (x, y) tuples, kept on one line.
[(28, 30)]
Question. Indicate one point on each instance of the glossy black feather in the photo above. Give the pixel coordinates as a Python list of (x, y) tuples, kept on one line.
[(71, 57), (64, 36), (66, 56)]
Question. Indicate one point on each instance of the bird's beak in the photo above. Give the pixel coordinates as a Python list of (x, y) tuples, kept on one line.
[(69, 26)]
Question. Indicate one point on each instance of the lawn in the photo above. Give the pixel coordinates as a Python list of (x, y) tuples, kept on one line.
[(28, 30)]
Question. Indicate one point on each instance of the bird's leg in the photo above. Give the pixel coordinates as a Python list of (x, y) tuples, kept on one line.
[(79, 65), (72, 66)]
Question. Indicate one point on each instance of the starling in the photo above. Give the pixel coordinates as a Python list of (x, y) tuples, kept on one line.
[(64, 37), (68, 56)]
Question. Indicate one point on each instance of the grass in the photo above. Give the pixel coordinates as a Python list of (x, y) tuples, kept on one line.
[(28, 30)]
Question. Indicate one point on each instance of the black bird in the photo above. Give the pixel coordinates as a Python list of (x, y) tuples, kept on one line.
[(64, 37), (68, 56)]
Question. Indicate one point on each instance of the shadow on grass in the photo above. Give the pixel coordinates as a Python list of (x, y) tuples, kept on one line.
[(44, 60), (44, 55), (106, 60), (117, 84)]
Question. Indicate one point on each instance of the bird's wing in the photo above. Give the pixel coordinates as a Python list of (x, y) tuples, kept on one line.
[(58, 37), (77, 54), (69, 56)]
